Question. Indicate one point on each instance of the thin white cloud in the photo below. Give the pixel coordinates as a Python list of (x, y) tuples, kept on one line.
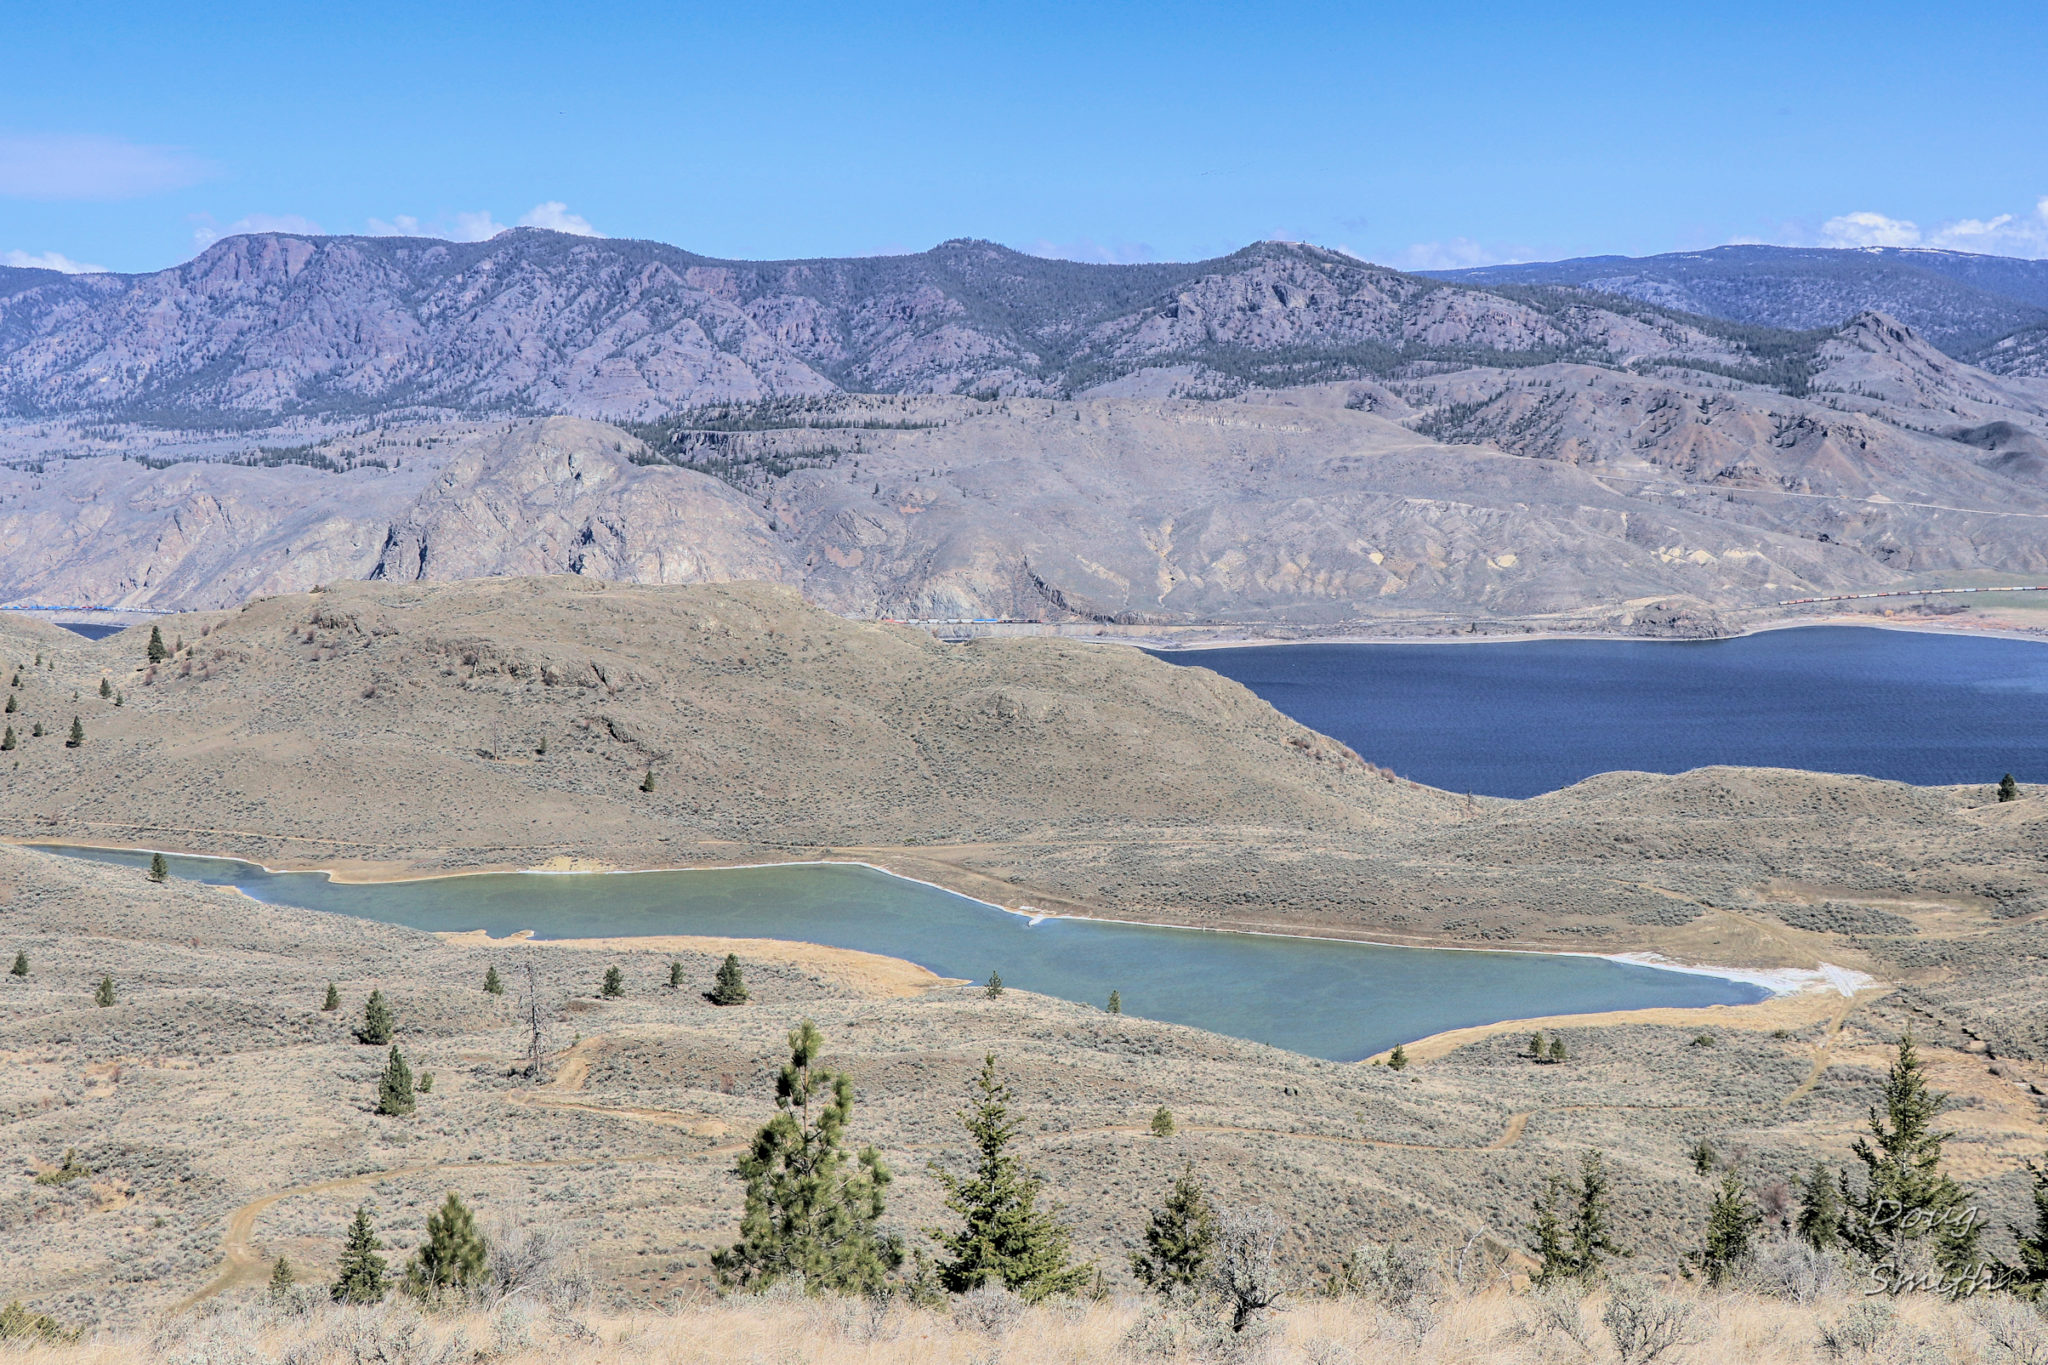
[(1088, 249), (1869, 229), (208, 232), (2005, 234), (1459, 253), (555, 217), (86, 166), (49, 260), (475, 227)]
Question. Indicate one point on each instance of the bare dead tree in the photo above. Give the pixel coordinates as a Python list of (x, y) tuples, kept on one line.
[(536, 1027)]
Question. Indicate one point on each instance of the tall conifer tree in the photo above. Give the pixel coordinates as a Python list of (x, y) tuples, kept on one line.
[(1004, 1234), (359, 1278)]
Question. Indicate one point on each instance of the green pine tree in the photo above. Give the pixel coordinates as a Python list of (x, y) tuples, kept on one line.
[(333, 1000), (106, 688), (77, 735), (452, 1256), (2008, 790), (1162, 1122), (1549, 1243), (492, 985), (394, 1088), (1732, 1224), (675, 975), (1536, 1052), (104, 996), (377, 1021), (157, 652), (1592, 1215), (994, 989), (1905, 1197), (1178, 1240), (1571, 1231), (36, 731), (282, 1279), (729, 989), (12, 704), (1819, 1223), (7, 741), (1116, 1002), (614, 984), (426, 1083), (647, 782), (159, 868), (1557, 1053), (2029, 1278), (359, 1278), (1004, 1235), (812, 1207), (1702, 1157), (20, 967), (1398, 1058)]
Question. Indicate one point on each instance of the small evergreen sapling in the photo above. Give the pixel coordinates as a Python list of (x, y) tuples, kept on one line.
[(675, 975), (2029, 1278), (1162, 1122), (647, 782), (77, 735), (1397, 1060), (812, 1206), (1116, 1002), (452, 1257), (394, 1089), (994, 989), (1004, 1235), (1702, 1157), (426, 1085), (729, 989), (1819, 1223), (36, 731), (333, 999), (159, 869), (1558, 1055), (377, 1022), (359, 1278), (1732, 1225), (1178, 1240), (492, 985), (20, 967), (12, 704), (614, 984), (282, 1278), (104, 996), (2008, 790), (107, 690), (7, 741), (156, 651)]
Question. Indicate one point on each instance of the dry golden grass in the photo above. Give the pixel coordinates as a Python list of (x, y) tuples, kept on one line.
[(1493, 1326)]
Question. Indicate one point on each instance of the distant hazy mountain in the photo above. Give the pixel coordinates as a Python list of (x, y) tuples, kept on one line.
[(266, 326), (1965, 304)]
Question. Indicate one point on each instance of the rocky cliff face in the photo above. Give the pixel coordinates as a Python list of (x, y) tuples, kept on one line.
[(271, 326)]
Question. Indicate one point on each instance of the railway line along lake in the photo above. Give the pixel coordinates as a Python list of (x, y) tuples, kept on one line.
[(1326, 998)]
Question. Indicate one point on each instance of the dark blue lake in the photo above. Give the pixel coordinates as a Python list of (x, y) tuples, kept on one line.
[(1516, 719), (1344, 1001)]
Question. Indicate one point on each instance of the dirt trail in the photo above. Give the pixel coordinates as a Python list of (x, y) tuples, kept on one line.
[(238, 1247), (1510, 1134)]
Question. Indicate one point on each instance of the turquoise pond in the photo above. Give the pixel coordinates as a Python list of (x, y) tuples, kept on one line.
[(1325, 998)]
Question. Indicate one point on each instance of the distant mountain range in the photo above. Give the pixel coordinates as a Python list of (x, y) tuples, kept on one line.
[(1989, 310), (1283, 436), (264, 327)]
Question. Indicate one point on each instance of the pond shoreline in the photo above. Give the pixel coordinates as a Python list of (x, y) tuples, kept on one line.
[(1779, 981)]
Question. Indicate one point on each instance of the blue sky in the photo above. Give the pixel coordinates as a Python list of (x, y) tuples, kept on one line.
[(1418, 135)]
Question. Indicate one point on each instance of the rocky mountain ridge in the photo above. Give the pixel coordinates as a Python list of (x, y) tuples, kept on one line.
[(262, 328), (1989, 310)]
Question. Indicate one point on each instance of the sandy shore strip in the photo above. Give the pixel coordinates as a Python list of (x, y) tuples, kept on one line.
[(869, 973)]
